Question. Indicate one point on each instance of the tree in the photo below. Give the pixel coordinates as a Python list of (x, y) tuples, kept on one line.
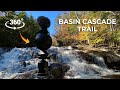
[(106, 34), (10, 37)]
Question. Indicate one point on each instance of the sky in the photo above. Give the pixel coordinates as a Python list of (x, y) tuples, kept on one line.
[(50, 14)]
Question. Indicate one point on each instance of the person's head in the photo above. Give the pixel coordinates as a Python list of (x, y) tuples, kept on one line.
[(43, 22)]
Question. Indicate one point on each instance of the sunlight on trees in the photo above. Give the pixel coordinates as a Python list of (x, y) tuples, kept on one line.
[(107, 33)]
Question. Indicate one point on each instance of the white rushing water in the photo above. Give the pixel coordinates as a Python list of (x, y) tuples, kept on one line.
[(80, 69), (11, 63)]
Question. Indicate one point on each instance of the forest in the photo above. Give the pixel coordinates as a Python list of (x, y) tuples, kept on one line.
[(107, 34), (10, 37), (65, 34)]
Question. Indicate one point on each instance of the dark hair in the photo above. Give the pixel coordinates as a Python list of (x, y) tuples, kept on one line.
[(43, 22)]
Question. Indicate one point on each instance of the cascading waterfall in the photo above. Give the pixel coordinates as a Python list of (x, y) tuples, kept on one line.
[(79, 67), (10, 64)]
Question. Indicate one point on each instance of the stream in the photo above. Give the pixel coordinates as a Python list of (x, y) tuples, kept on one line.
[(11, 63)]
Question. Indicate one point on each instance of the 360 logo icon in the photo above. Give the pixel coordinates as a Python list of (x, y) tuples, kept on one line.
[(16, 23)]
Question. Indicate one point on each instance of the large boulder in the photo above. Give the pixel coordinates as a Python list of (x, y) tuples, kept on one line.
[(58, 70), (112, 60), (110, 57)]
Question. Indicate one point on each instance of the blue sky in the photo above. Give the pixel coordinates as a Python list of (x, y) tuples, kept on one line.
[(50, 14)]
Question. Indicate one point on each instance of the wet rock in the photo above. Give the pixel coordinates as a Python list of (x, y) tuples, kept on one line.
[(26, 75), (55, 71), (111, 76), (86, 56), (58, 70), (110, 58), (70, 73)]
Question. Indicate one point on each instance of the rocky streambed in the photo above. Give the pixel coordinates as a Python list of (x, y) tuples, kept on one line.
[(65, 63)]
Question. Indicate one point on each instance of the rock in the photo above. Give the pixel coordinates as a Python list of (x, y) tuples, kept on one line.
[(114, 76), (55, 71), (53, 56), (26, 75), (110, 58), (58, 70), (86, 56)]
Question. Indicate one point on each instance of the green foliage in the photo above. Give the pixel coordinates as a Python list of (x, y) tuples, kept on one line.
[(10, 37), (106, 34), (55, 43), (117, 36)]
